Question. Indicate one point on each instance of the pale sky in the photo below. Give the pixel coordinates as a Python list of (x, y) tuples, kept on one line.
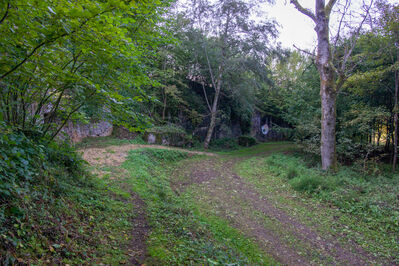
[(297, 28)]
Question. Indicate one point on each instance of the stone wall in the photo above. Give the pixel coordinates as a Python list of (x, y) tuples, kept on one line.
[(76, 131)]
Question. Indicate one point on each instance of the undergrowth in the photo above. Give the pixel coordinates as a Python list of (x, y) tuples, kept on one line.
[(181, 235), (52, 211), (372, 198)]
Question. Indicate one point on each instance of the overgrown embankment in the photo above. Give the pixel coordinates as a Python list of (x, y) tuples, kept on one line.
[(52, 210)]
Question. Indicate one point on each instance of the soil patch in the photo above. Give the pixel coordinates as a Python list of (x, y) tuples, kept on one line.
[(116, 155), (137, 246)]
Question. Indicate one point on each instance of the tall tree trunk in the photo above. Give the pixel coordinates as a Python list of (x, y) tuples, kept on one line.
[(378, 135), (213, 115), (395, 118), (327, 89), (388, 137), (164, 104)]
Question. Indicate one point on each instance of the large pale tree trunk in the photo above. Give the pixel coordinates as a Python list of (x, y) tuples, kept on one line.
[(327, 89)]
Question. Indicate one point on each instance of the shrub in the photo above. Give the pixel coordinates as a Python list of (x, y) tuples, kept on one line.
[(292, 172), (20, 161), (309, 183), (246, 141), (224, 144), (173, 135), (62, 154)]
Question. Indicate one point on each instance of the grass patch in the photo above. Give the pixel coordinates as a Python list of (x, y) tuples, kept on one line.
[(262, 149), (102, 142), (181, 233), (364, 208)]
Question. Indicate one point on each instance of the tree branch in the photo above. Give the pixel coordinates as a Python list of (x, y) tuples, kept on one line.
[(329, 7), (209, 66), (303, 10), (69, 116), (5, 14), (348, 53), (304, 51), (206, 96)]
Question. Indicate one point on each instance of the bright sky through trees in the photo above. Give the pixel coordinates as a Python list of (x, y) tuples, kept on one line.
[(296, 28)]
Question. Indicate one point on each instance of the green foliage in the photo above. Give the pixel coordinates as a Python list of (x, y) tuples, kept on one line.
[(292, 173), (215, 58), (246, 141), (51, 210), (173, 135), (91, 56), (169, 128), (163, 155), (299, 177), (101, 142), (21, 160), (63, 155), (224, 144)]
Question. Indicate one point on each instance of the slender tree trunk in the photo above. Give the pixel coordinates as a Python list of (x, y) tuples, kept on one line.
[(213, 116), (378, 135), (164, 105), (327, 89), (388, 138), (395, 118)]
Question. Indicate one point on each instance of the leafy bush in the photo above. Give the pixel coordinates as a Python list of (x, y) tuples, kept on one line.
[(224, 144), (246, 141), (21, 160), (173, 134), (46, 196), (169, 128), (65, 156), (138, 140), (309, 183)]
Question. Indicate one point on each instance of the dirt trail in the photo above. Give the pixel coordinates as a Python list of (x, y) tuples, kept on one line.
[(279, 233), (114, 156)]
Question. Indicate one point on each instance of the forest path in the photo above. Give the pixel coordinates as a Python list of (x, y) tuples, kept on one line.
[(270, 219), (220, 185), (106, 161)]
